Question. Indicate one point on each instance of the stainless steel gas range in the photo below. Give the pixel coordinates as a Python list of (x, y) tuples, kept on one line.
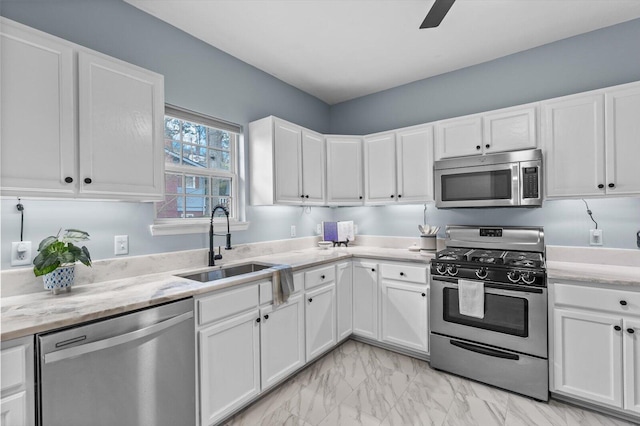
[(489, 307)]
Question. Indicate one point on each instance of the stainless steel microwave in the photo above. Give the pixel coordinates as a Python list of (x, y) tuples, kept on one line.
[(508, 179)]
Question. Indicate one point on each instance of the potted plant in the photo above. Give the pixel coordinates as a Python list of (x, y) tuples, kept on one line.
[(57, 258)]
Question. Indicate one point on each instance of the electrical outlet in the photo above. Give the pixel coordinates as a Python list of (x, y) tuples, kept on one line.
[(319, 229), (21, 253), (595, 237), (293, 230), (121, 244)]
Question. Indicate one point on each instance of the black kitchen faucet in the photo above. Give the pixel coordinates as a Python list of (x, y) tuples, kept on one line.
[(212, 256)]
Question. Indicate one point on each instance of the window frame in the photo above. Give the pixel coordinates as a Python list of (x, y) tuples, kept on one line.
[(190, 225)]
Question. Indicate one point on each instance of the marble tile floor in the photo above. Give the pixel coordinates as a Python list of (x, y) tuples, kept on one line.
[(359, 384)]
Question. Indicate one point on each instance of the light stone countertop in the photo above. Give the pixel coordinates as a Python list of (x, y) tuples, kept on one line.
[(32, 313), (594, 272)]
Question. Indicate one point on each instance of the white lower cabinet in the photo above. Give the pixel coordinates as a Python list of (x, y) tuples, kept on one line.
[(282, 349), (17, 406), (404, 315), (320, 314), (596, 353), (344, 299), (365, 300)]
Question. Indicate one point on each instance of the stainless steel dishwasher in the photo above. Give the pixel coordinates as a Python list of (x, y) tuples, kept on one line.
[(134, 369)]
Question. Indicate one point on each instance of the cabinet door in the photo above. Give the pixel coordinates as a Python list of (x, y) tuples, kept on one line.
[(344, 171), (458, 137), (573, 142), (313, 167), (344, 299), (365, 300), (510, 129), (404, 315), (588, 356), (631, 358), (287, 145), (13, 410), (380, 169), (414, 152), (320, 314), (229, 365), (281, 340), (120, 129), (37, 113), (623, 141)]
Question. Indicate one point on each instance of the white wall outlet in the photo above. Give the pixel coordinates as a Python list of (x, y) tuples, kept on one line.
[(21, 253), (293, 230), (595, 237), (319, 229), (121, 244)]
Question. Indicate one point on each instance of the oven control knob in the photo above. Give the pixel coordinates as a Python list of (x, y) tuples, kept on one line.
[(482, 273), (528, 277), (514, 276), (452, 270), (442, 269)]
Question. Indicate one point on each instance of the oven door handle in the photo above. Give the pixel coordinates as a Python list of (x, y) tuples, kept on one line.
[(484, 351)]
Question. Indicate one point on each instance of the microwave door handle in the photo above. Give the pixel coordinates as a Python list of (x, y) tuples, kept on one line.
[(516, 183)]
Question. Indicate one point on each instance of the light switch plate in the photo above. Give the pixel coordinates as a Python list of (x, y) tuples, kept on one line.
[(595, 237), (121, 244)]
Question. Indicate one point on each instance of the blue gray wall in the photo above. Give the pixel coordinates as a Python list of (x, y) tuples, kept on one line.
[(206, 79)]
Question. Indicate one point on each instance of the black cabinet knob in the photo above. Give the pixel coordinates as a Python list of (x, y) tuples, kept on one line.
[(266, 317), (322, 277), (373, 270), (257, 319), (399, 196), (306, 196), (392, 196), (310, 300), (487, 146), (617, 328), (611, 185), (424, 294), (87, 180), (601, 186), (68, 179), (478, 147), (360, 197), (302, 196), (623, 302), (630, 330), (402, 274)]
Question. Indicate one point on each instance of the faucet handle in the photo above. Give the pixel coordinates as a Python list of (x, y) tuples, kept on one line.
[(219, 255)]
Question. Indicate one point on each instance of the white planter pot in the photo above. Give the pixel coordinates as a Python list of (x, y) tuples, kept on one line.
[(60, 279)]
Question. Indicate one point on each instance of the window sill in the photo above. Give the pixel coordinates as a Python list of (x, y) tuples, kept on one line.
[(195, 227)]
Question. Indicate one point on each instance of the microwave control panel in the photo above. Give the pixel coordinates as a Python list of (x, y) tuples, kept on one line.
[(530, 181)]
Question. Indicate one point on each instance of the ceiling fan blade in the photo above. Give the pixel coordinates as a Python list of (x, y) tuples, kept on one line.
[(437, 13)]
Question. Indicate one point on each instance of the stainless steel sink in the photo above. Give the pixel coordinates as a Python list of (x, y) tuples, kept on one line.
[(230, 271)]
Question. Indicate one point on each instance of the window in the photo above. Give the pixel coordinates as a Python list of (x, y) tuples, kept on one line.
[(200, 167)]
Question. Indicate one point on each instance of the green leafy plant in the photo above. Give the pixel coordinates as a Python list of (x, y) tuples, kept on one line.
[(59, 250)]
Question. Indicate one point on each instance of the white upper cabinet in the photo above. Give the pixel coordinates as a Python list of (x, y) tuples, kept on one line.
[(344, 170), (508, 129), (38, 113), (622, 124), (380, 168), (121, 124), (414, 155), (458, 137), (398, 166), (287, 163), (108, 146), (573, 145)]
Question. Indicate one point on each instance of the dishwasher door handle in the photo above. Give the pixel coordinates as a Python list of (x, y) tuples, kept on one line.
[(116, 340)]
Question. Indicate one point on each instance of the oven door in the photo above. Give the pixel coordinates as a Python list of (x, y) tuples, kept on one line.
[(515, 317), (479, 186)]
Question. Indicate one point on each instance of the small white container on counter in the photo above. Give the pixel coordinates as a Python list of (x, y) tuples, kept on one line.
[(428, 242)]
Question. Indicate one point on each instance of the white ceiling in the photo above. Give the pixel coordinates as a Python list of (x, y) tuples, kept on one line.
[(338, 50)]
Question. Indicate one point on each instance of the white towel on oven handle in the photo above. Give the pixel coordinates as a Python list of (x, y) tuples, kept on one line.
[(471, 298)]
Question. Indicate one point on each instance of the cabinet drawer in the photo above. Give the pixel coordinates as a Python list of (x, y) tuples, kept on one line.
[(319, 276), (227, 303), (415, 274), (13, 367), (266, 288), (618, 301)]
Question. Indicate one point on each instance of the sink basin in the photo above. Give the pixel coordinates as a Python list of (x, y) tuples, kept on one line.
[(230, 271)]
